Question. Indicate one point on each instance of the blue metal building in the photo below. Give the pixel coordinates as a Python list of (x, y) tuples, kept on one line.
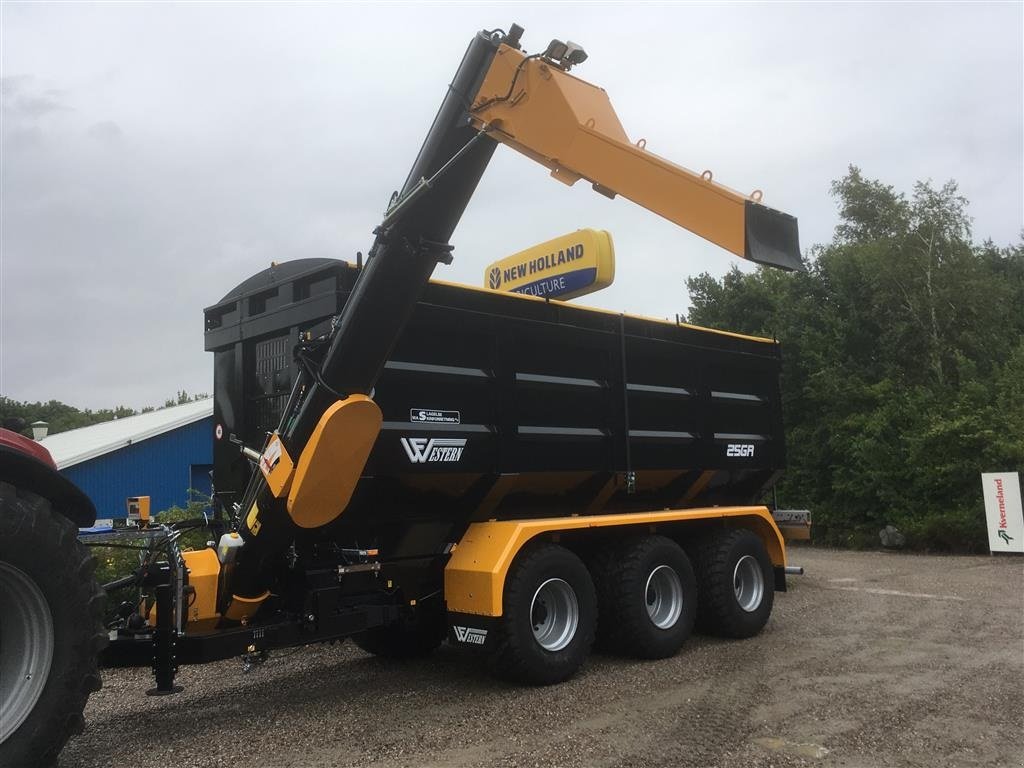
[(165, 454)]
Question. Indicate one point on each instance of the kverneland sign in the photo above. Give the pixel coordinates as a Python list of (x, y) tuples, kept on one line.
[(1003, 511)]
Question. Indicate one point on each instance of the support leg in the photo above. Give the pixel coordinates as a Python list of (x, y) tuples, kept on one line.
[(165, 642)]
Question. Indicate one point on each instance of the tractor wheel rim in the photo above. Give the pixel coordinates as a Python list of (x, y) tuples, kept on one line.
[(554, 614), (748, 583), (26, 647), (664, 597)]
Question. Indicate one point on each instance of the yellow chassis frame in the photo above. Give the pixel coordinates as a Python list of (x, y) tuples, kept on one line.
[(474, 579)]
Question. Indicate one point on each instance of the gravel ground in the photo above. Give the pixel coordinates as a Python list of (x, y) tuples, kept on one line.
[(872, 659)]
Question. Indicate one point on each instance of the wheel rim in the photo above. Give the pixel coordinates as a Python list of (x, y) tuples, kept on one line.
[(748, 583), (554, 614), (664, 597), (26, 647)]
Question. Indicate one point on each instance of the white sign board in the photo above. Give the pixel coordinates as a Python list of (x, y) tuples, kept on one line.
[(1003, 511)]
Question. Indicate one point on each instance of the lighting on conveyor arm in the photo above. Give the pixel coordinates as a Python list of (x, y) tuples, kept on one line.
[(565, 55)]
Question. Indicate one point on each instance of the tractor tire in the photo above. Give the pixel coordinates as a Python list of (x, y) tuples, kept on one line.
[(548, 619), (51, 631), (646, 597), (735, 584), (415, 637)]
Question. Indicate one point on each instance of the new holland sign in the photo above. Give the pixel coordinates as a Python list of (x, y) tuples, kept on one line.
[(568, 266), (1003, 511)]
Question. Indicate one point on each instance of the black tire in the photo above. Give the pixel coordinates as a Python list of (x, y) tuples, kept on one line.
[(720, 611), (40, 547), (542, 573), (415, 637), (646, 597)]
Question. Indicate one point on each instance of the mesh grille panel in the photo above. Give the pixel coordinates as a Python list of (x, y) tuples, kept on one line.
[(273, 383)]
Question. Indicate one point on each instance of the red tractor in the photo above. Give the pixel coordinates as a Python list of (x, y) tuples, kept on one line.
[(51, 606)]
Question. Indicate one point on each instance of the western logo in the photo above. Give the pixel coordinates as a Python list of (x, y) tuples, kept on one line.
[(470, 635), (494, 278), (422, 450)]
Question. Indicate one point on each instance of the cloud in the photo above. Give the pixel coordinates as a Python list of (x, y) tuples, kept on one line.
[(156, 155), (23, 101), (9, 86), (34, 107), (106, 131)]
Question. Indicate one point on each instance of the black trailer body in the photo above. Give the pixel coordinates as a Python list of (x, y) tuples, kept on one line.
[(500, 406)]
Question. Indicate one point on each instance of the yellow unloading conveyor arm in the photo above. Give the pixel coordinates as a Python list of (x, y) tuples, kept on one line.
[(532, 105)]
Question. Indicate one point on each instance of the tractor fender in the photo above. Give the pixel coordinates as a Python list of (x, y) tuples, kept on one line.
[(32, 473)]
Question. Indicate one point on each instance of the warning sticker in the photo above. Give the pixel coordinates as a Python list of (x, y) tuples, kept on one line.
[(252, 520), (271, 455), (436, 417)]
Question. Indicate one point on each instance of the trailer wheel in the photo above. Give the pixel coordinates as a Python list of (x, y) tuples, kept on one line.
[(735, 584), (51, 630), (646, 597), (415, 637), (548, 619)]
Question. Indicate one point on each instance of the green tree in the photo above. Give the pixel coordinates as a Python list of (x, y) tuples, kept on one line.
[(61, 417), (902, 363)]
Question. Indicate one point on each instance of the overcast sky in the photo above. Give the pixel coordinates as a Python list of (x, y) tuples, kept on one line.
[(155, 155)]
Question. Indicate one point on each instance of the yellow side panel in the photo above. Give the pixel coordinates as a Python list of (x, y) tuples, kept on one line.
[(242, 608), (333, 460), (474, 579), (571, 265), (203, 574)]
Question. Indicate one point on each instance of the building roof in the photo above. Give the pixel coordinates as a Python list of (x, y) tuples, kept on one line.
[(78, 445)]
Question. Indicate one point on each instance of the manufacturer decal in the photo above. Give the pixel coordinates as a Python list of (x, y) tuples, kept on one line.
[(470, 635), (557, 286), (1001, 501), (535, 265), (564, 267), (550, 284), (739, 450), (434, 417), (422, 450), (1004, 512)]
